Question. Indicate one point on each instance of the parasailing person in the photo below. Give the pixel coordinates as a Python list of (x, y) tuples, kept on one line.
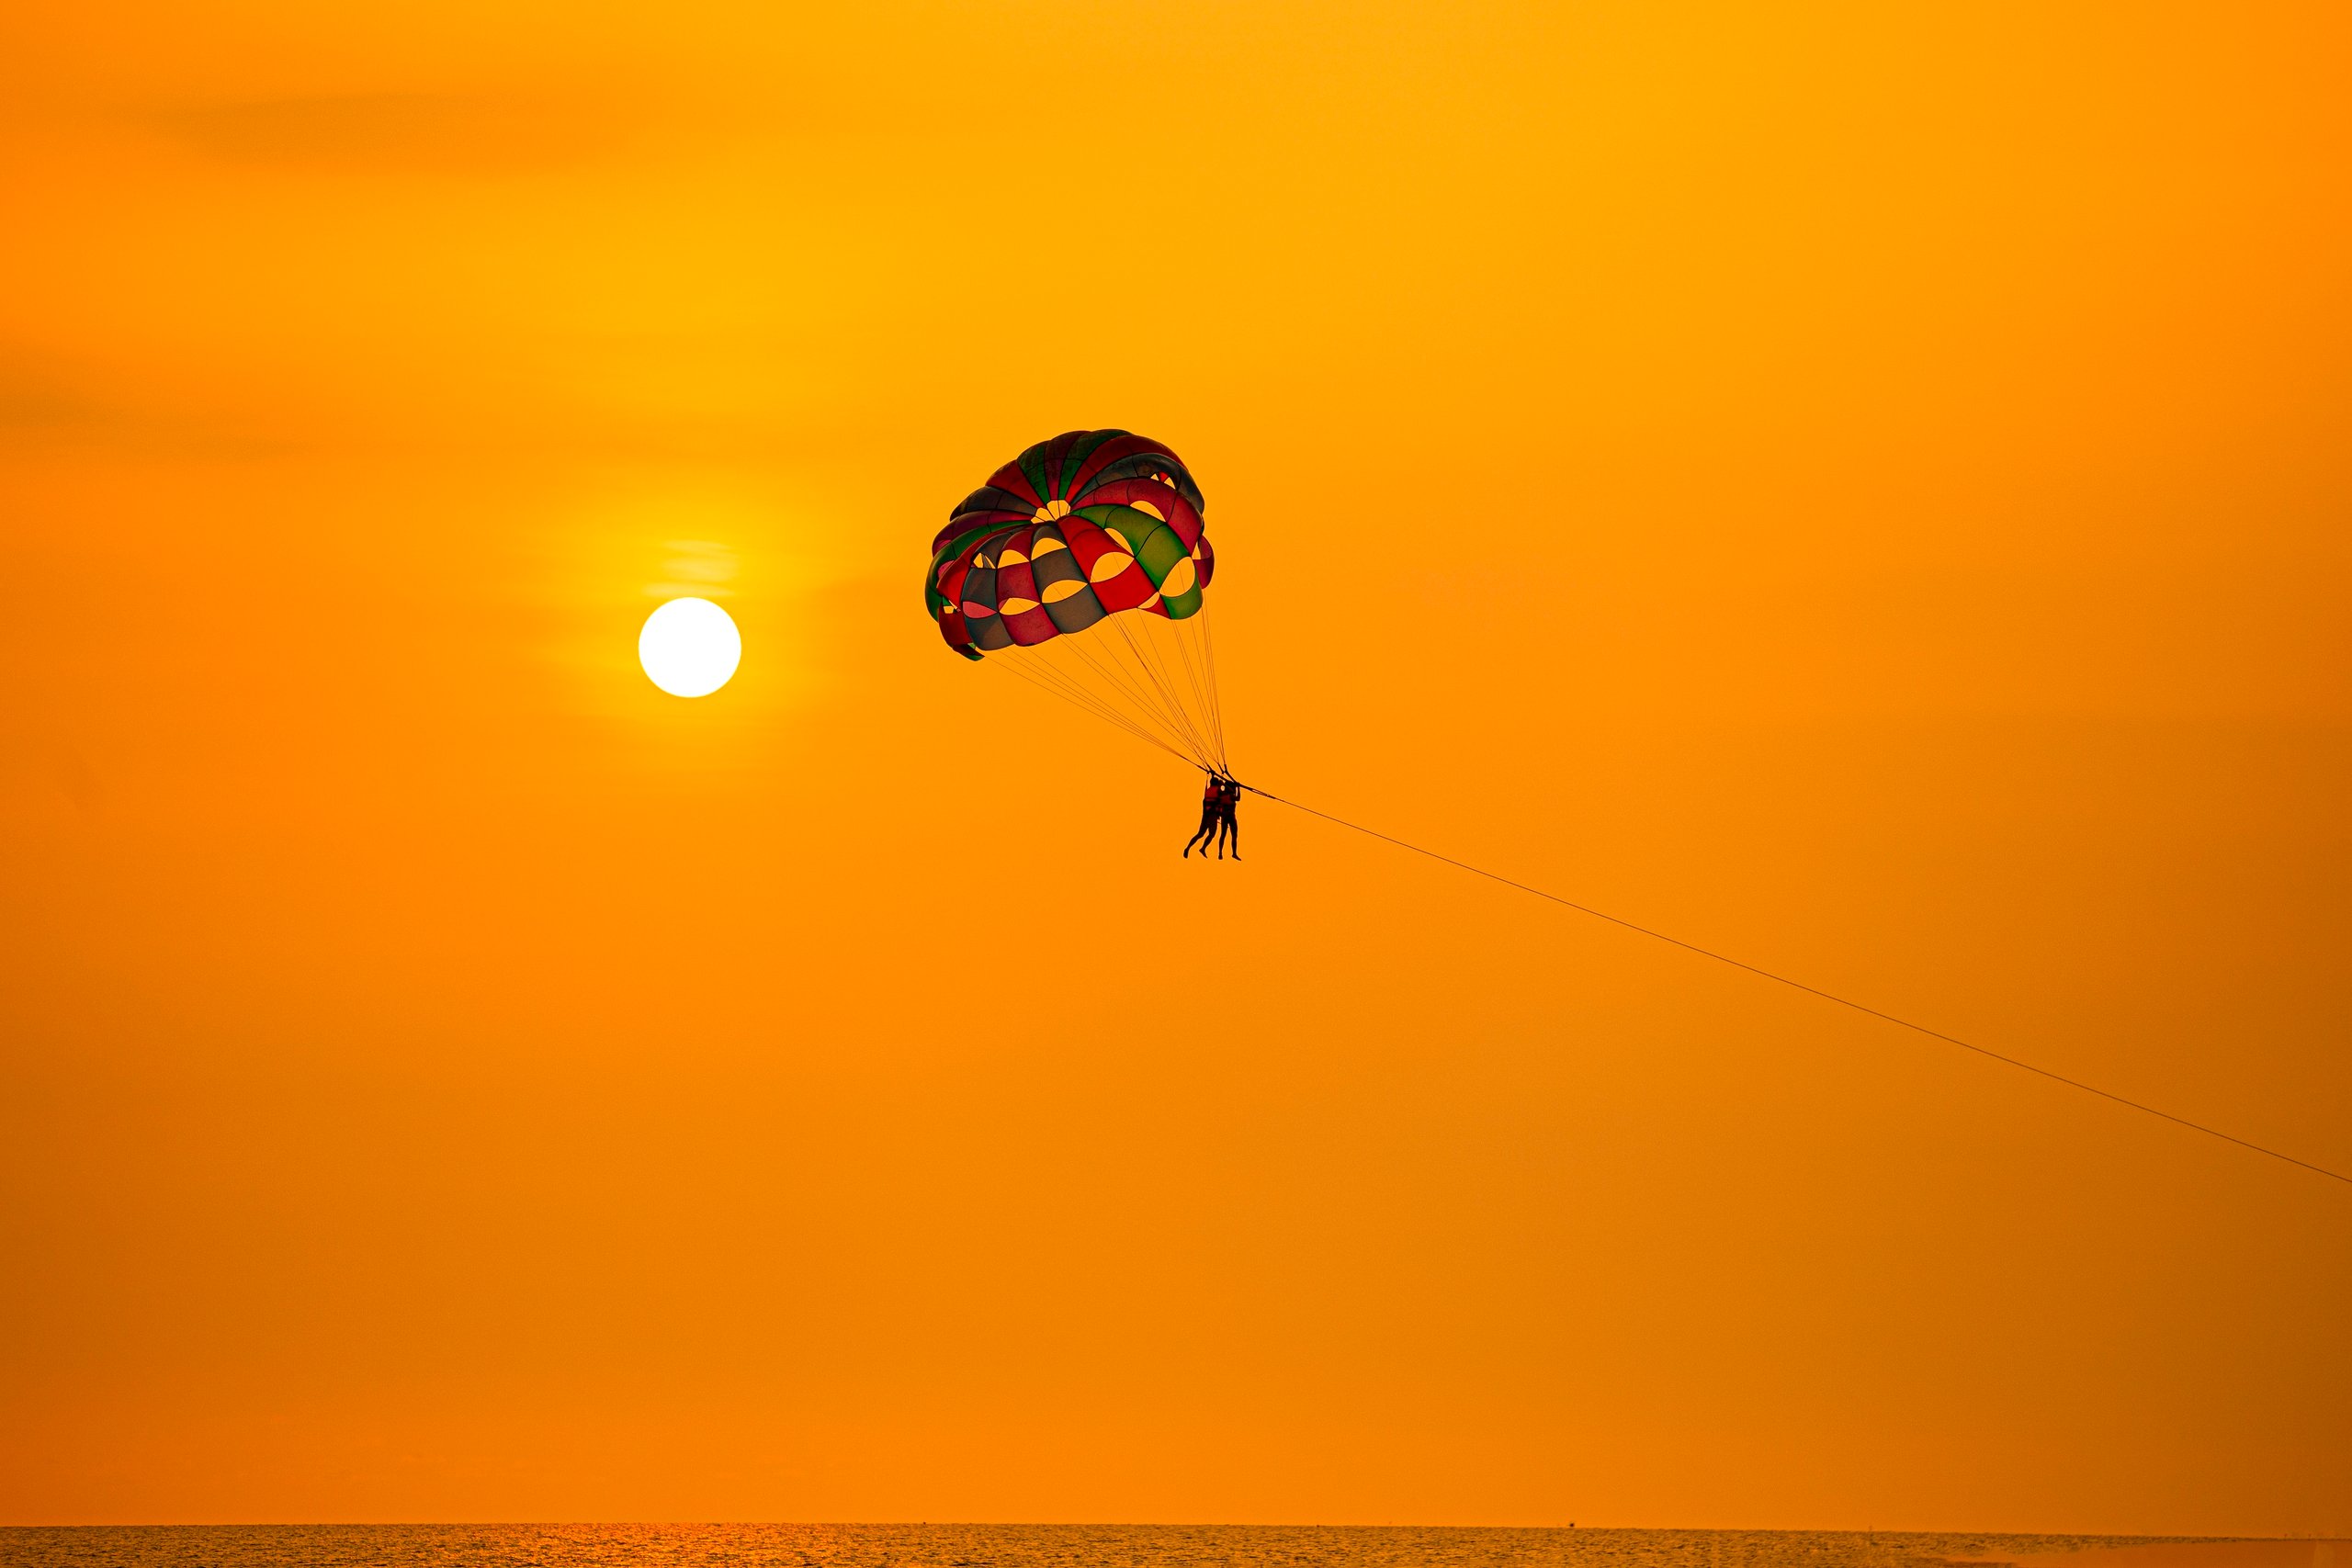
[(1212, 817), (1228, 819)]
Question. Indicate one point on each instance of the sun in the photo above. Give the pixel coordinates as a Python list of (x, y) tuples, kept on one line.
[(689, 648)]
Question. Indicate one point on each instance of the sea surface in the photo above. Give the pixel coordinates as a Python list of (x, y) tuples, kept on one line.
[(998, 1546)]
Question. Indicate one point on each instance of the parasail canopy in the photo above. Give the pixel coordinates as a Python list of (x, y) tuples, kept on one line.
[(1083, 566)]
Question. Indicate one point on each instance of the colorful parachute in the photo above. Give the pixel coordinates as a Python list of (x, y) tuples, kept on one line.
[(1084, 564)]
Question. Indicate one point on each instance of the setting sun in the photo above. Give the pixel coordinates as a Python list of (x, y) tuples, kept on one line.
[(689, 648)]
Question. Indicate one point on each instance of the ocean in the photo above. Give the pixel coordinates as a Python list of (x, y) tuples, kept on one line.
[(998, 1546)]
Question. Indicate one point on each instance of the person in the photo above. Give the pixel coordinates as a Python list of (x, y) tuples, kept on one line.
[(1212, 802), (1229, 821)]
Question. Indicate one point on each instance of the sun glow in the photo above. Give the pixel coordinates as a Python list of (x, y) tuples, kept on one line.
[(689, 648)]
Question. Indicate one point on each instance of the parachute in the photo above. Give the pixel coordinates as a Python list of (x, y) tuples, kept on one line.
[(1083, 566)]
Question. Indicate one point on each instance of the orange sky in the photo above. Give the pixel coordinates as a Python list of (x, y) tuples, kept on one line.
[(1865, 488)]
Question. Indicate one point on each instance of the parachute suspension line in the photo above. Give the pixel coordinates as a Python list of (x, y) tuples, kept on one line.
[(1185, 633), (1208, 657), (1155, 669), (1181, 634), (1053, 680), (1078, 697), (1200, 701), (1141, 688), (1167, 716), (1177, 638), (1140, 693), (1809, 990), (1169, 701), (1141, 713), (1055, 655), (1143, 693)]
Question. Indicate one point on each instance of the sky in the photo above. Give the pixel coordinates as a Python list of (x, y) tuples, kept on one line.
[(1860, 488)]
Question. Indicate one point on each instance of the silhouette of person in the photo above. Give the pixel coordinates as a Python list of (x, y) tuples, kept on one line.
[(1228, 822), (1212, 802)]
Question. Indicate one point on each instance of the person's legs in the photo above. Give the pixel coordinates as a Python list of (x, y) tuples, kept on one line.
[(1200, 834), (1233, 829)]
